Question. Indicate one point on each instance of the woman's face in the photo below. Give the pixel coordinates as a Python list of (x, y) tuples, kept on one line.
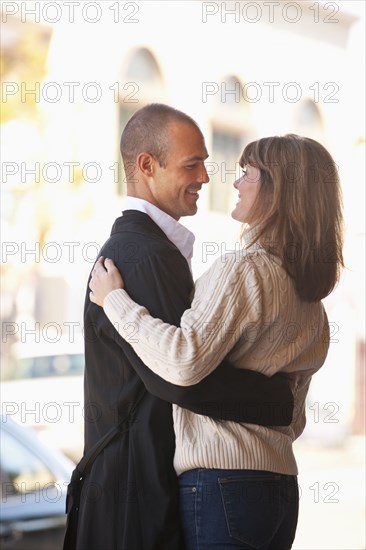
[(248, 186)]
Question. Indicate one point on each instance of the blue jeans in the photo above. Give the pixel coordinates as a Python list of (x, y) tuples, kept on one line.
[(231, 509)]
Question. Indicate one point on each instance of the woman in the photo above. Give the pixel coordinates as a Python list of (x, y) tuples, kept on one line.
[(262, 309)]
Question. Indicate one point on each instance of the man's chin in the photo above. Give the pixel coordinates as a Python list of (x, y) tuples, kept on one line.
[(191, 211)]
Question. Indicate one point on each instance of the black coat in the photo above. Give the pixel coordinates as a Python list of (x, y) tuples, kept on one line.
[(130, 498)]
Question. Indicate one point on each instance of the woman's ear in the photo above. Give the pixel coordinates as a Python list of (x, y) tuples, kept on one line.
[(145, 163)]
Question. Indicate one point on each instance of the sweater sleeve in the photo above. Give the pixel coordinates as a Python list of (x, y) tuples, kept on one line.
[(227, 303)]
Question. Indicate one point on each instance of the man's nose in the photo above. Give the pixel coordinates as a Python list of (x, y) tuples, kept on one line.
[(204, 175)]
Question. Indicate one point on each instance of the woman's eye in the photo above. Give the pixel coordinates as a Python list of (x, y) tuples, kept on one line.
[(244, 171)]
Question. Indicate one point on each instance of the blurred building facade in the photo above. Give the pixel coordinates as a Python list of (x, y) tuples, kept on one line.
[(243, 70)]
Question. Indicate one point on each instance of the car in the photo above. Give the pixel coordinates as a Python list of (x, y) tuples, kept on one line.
[(43, 388), (34, 479)]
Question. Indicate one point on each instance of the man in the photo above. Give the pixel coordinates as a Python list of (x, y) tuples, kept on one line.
[(130, 501)]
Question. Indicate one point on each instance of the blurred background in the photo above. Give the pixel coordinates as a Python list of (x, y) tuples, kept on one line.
[(72, 75)]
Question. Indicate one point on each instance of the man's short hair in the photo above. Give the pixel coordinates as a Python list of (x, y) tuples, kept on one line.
[(147, 132)]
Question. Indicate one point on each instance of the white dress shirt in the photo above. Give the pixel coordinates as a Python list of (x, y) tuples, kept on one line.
[(175, 231)]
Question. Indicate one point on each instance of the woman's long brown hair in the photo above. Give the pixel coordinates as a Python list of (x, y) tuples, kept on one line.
[(299, 205)]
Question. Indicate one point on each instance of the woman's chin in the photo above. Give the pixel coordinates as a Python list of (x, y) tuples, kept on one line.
[(236, 216)]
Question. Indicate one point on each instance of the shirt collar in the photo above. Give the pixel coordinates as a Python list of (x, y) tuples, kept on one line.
[(249, 234), (175, 231)]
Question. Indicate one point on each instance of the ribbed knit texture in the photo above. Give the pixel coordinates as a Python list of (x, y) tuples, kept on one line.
[(245, 307)]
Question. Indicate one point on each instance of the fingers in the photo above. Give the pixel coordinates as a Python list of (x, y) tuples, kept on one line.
[(103, 264), (109, 264), (105, 277), (91, 285), (99, 266)]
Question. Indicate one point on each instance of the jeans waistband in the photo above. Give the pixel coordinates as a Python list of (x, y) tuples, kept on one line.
[(211, 474)]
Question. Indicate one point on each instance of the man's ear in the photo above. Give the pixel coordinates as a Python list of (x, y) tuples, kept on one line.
[(145, 163)]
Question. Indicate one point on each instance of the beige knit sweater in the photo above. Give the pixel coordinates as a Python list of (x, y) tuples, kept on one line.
[(245, 307)]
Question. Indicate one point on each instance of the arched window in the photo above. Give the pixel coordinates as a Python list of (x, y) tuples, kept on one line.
[(230, 128), (143, 68), (308, 120), (142, 83)]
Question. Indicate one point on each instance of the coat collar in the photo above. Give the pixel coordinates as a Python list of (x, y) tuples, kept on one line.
[(175, 231)]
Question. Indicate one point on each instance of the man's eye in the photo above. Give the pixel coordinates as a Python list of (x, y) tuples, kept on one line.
[(191, 166)]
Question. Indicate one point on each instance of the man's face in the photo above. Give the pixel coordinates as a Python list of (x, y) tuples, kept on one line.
[(175, 188)]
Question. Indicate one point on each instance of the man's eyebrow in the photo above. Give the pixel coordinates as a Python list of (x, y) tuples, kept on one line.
[(192, 159)]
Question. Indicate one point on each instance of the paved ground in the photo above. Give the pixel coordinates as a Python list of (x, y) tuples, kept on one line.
[(332, 503)]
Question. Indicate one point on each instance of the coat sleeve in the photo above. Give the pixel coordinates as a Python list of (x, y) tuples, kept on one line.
[(226, 393)]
